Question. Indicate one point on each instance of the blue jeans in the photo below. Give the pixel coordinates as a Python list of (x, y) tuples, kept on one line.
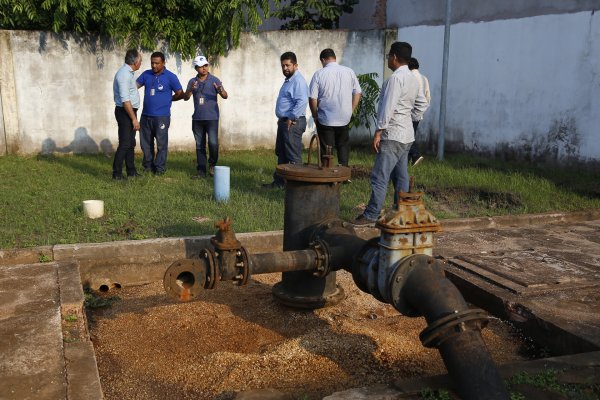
[(201, 130), (391, 164), (288, 145), (152, 128)]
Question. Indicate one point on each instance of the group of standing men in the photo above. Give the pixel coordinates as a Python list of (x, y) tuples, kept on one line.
[(333, 95), (161, 89)]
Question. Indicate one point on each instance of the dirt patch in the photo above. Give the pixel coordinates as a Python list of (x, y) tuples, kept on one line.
[(360, 172), (466, 201), (240, 338)]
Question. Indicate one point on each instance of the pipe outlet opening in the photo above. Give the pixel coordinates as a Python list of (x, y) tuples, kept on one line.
[(185, 280)]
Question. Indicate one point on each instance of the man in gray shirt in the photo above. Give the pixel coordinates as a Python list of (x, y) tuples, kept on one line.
[(127, 102), (400, 101), (334, 93)]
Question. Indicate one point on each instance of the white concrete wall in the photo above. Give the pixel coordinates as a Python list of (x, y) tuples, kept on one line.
[(64, 90), (252, 76), (528, 87)]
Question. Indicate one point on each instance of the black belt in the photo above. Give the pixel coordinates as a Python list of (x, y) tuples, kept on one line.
[(134, 109), (284, 119)]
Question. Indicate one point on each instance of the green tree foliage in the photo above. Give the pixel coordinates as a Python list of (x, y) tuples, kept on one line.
[(366, 112), (186, 26), (314, 14)]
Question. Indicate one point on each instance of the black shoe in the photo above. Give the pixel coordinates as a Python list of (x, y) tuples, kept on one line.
[(135, 175), (272, 185), (119, 178), (363, 221), (148, 170), (346, 182)]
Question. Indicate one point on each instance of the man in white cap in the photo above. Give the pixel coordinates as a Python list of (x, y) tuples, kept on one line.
[(205, 120)]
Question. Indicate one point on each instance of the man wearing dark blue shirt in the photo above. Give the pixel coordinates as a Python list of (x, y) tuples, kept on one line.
[(205, 121), (161, 88), (290, 110)]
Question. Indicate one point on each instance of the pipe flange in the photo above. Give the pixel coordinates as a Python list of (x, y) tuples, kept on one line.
[(361, 264), (243, 265), (322, 265), (185, 279), (398, 277), (438, 331), (209, 256)]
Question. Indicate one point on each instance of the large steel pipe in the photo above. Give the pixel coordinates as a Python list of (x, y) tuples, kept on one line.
[(454, 330), (312, 197)]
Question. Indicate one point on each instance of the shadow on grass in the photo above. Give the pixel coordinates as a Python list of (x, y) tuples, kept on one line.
[(581, 180)]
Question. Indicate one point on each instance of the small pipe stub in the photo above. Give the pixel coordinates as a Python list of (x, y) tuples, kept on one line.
[(314, 173), (225, 237)]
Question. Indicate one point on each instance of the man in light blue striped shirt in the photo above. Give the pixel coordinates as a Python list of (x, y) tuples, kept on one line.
[(127, 102), (290, 110), (400, 101)]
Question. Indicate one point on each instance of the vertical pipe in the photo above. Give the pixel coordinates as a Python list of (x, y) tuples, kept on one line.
[(442, 121), (307, 204)]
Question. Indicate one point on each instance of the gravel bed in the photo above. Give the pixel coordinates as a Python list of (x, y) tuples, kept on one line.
[(239, 338)]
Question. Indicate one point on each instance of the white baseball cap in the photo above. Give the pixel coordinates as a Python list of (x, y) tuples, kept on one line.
[(199, 61)]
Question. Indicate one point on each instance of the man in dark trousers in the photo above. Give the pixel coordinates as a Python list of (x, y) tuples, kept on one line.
[(290, 110), (161, 88), (127, 102), (334, 93), (205, 122)]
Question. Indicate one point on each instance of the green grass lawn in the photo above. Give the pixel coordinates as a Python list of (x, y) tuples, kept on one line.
[(41, 196)]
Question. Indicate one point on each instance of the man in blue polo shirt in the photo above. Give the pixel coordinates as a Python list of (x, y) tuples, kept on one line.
[(161, 88), (290, 110)]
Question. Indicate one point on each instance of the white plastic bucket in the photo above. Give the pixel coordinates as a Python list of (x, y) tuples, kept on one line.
[(93, 208)]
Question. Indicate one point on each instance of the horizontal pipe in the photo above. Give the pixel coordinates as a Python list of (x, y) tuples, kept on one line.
[(344, 247), (287, 261)]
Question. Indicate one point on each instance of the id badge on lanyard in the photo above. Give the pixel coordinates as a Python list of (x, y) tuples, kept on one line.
[(201, 100)]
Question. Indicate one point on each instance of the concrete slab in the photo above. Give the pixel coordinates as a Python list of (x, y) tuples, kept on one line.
[(45, 351), (32, 362), (545, 278)]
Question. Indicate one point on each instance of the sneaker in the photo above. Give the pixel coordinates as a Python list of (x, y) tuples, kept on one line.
[(362, 220), (346, 182), (418, 160)]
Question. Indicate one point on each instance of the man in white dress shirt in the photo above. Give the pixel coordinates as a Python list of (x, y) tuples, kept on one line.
[(400, 101)]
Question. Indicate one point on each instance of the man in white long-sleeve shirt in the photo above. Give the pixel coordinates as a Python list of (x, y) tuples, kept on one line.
[(414, 155), (400, 102)]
